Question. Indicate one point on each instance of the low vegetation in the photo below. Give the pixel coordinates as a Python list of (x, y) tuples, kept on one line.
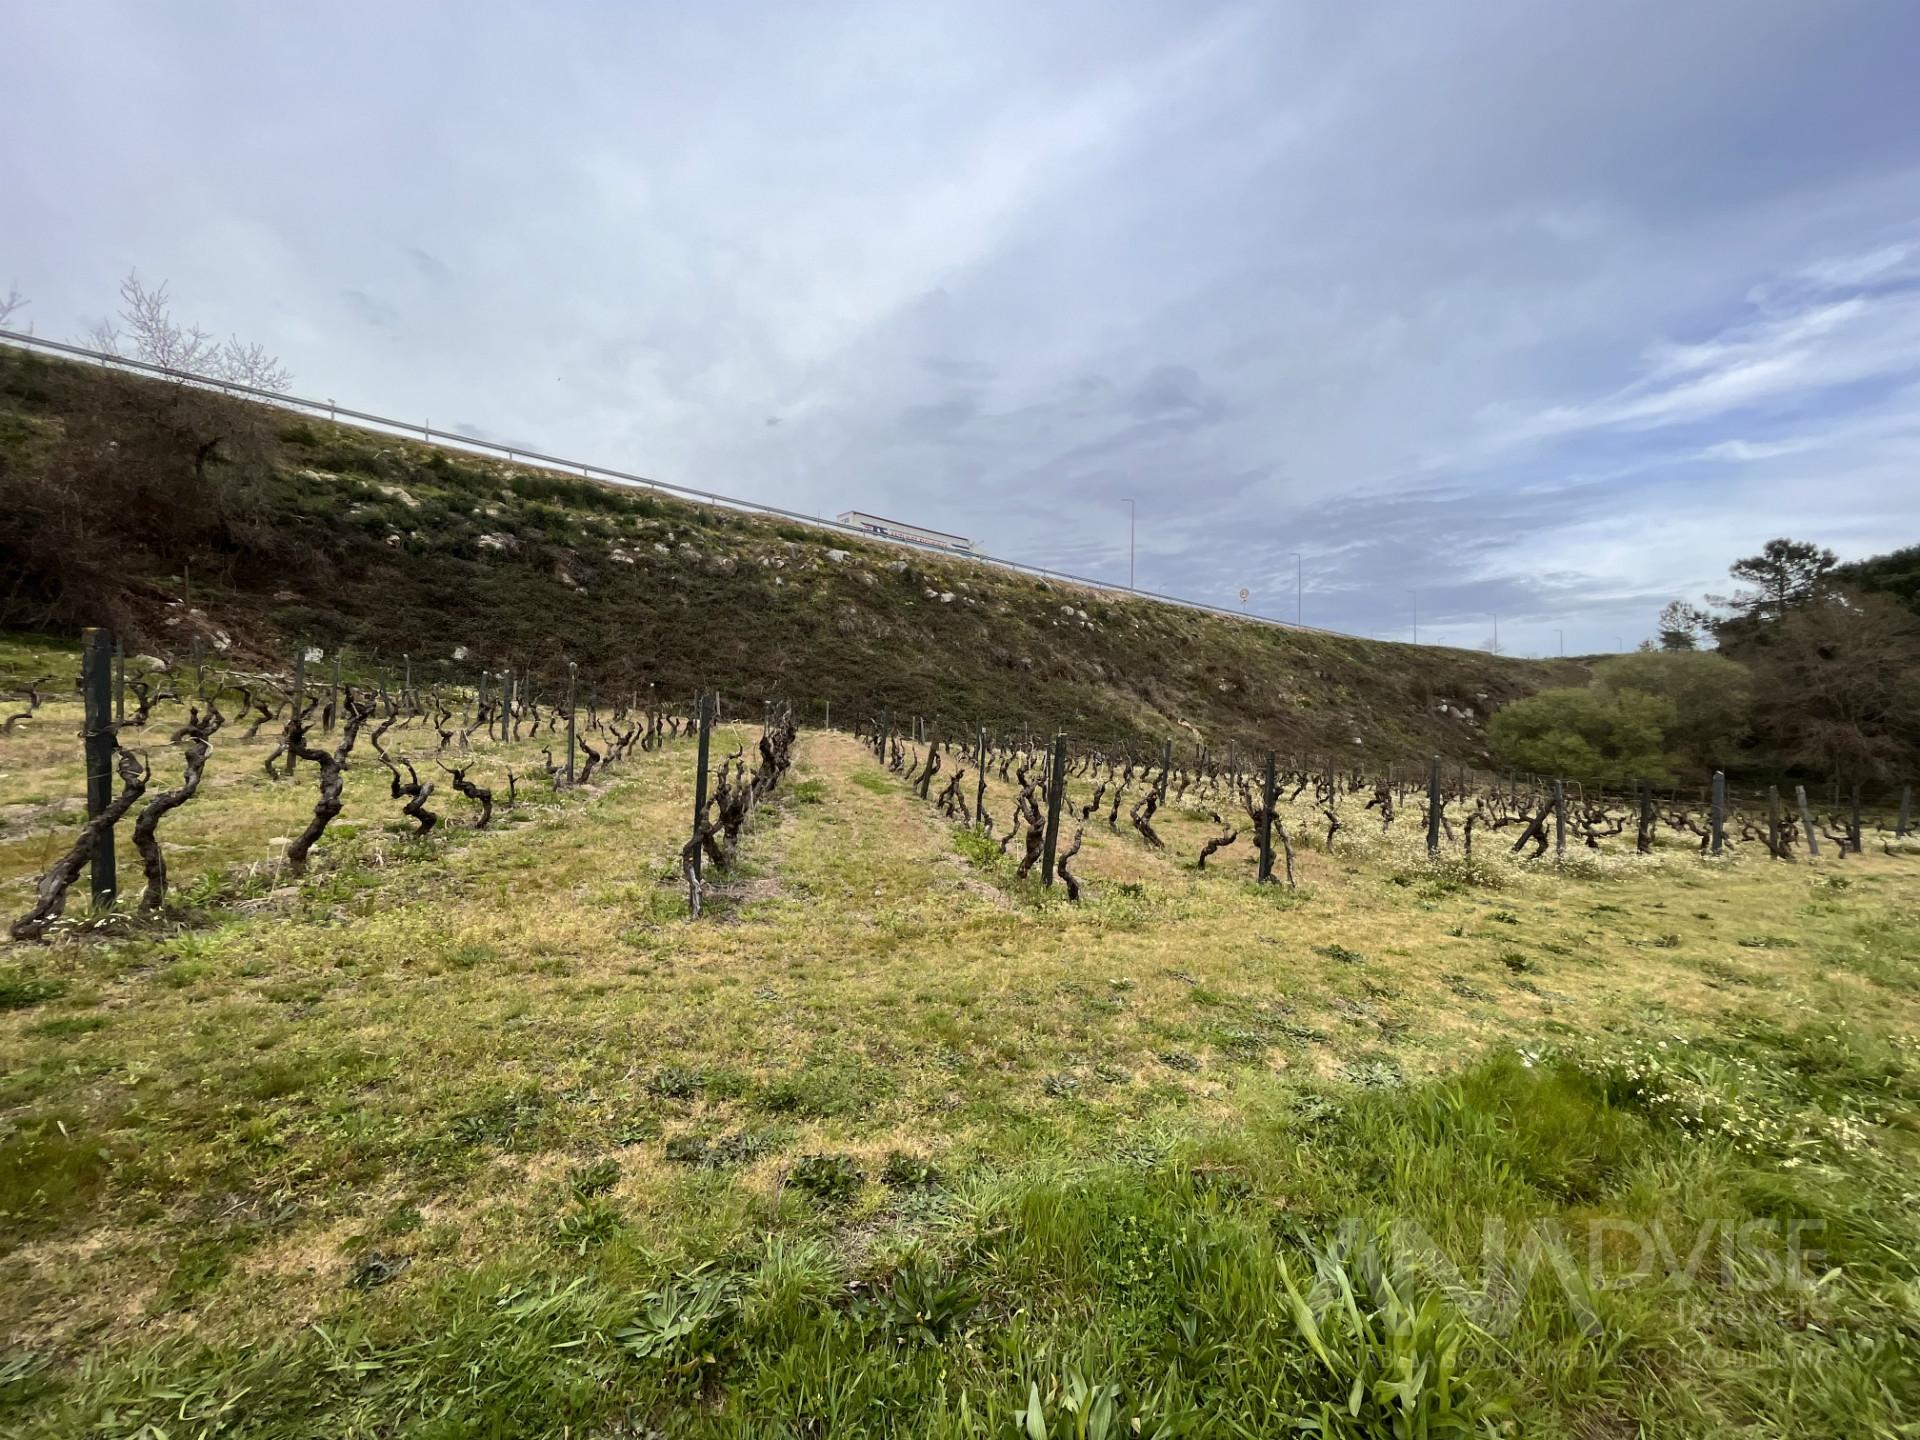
[(1816, 675), (477, 1133)]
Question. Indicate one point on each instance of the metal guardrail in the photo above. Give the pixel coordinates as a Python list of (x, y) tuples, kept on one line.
[(384, 424)]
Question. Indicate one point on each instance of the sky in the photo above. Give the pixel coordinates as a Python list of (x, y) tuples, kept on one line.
[(1464, 314)]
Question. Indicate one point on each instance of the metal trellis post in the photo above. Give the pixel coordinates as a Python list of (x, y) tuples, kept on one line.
[(1806, 820)]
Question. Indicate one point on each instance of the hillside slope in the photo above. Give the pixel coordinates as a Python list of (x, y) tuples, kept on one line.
[(171, 512)]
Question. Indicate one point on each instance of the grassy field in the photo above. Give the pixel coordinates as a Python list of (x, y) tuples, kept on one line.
[(478, 1135)]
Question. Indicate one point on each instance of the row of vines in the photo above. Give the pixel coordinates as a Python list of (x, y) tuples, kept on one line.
[(1443, 815), (481, 739), (494, 746)]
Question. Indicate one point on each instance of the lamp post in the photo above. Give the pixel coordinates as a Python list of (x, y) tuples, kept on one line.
[(1130, 517), (1496, 633), (1299, 607), (1560, 642)]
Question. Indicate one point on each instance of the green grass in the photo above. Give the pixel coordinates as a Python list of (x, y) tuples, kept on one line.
[(482, 1136)]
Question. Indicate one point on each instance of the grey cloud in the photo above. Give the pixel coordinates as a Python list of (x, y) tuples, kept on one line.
[(374, 312), (428, 265), (941, 417), (948, 368), (1169, 390)]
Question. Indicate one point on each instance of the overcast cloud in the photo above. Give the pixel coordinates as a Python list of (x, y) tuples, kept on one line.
[(1544, 311)]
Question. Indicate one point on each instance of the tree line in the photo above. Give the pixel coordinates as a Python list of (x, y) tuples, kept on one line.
[(1807, 667)]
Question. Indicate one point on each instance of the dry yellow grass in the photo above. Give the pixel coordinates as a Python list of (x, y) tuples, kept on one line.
[(274, 1087)]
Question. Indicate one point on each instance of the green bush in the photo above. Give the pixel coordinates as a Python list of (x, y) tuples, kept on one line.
[(1600, 736), (1712, 699)]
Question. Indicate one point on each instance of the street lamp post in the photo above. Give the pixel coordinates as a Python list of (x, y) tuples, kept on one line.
[(1130, 514), (1560, 642), (1299, 590), (1496, 634)]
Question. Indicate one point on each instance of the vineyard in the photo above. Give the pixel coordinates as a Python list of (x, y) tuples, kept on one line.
[(494, 758), (491, 1055), (499, 723)]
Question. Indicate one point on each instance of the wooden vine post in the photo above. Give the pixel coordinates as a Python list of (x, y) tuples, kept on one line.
[(1056, 789), (1773, 823), (1904, 821), (700, 800), (1718, 815), (1433, 806), (96, 685), (299, 694), (1269, 797), (1559, 819), (980, 780), (573, 677), (333, 695)]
